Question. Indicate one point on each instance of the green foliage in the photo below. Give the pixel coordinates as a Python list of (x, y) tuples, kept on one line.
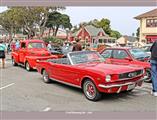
[(138, 32), (115, 34), (56, 20), (105, 25), (28, 19), (54, 40)]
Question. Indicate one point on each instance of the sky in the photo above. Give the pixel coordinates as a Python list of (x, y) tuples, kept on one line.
[(122, 18)]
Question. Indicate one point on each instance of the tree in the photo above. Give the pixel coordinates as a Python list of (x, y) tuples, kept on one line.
[(115, 34), (138, 32), (28, 19), (105, 25), (56, 20), (9, 23)]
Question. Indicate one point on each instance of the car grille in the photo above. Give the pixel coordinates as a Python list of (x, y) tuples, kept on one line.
[(130, 74)]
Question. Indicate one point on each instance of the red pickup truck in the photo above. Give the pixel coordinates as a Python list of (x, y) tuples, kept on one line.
[(29, 53)]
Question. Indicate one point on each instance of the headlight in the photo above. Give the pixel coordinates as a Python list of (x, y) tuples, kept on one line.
[(37, 60), (108, 78)]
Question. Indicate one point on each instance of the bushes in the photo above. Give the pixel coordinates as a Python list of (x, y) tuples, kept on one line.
[(53, 40)]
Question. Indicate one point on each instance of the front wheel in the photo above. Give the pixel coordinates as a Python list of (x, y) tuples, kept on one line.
[(46, 78), (90, 91), (28, 67)]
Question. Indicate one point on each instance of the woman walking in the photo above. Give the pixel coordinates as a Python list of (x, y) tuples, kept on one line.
[(2, 53)]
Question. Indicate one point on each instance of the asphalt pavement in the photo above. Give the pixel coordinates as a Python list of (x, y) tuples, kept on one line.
[(25, 91)]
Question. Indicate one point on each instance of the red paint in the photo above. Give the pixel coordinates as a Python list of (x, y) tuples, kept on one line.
[(131, 61), (101, 34), (83, 34), (95, 71), (31, 55)]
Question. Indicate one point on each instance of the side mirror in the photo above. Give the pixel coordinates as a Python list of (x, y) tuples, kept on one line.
[(127, 58)]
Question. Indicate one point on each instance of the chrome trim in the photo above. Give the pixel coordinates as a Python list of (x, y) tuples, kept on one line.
[(68, 55), (119, 85), (130, 78), (119, 90), (70, 84)]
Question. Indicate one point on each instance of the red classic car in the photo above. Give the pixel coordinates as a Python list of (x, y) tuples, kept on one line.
[(88, 71), (129, 57), (29, 52)]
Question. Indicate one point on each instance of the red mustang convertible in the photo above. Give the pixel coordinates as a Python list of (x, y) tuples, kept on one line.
[(88, 71)]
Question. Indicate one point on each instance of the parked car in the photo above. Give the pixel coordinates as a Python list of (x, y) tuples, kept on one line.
[(140, 54), (127, 56), (29, 53), (88, 71), (57, 50), (146, 48)]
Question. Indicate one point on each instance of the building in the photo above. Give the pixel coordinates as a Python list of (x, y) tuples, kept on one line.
[(127, 41), (61, 33), (92, 35), (148, 26)]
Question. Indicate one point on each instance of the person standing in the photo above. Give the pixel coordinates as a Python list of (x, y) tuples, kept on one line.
[(2, 53), (17, 45), (153, 62), (77, 46), (49, 46)]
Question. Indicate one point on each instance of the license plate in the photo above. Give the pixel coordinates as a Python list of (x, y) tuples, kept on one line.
[(130, 87)]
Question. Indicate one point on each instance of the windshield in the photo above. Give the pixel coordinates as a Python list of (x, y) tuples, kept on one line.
[(36, 45), (138, 53), (85, 57), (146, 48)]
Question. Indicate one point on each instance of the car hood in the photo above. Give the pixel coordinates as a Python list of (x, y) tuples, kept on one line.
[(39, 52), (108, 68)]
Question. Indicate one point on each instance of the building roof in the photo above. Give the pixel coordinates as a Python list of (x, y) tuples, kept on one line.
[(152, 13), (93, 31), (130, 38)]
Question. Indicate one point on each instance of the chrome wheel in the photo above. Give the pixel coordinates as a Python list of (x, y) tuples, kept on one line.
[(28, 68), (91, 91), (46, 77)]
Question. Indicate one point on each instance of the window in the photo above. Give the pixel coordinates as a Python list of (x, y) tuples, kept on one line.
[(151, 23), (100, 41), (36, 45), (23, 45), (119, 54), (107, 54)]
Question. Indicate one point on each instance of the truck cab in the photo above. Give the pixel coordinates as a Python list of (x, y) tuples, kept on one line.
[(29, 53)]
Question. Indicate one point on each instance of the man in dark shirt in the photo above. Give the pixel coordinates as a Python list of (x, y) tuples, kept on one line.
[(153, 62), (77, 46)]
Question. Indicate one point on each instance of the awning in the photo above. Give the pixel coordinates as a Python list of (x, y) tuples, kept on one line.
[(151, 36)]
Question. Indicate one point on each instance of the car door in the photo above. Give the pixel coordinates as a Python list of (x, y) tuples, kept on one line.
[(107, 55), (63, 72), (22, 52), (120, 57), (67, 73)]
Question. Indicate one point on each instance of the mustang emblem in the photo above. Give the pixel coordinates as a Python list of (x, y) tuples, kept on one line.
[(131, 75)]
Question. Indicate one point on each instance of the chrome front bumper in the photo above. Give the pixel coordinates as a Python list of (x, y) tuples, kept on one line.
[(121, 85)]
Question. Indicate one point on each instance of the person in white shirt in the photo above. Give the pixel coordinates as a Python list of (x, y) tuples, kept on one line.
[(49, 46)]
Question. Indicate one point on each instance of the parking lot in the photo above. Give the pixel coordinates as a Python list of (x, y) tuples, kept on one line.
[(25, 91)]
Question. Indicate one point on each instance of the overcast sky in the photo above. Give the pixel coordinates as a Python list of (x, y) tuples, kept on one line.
[(122, 18)]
